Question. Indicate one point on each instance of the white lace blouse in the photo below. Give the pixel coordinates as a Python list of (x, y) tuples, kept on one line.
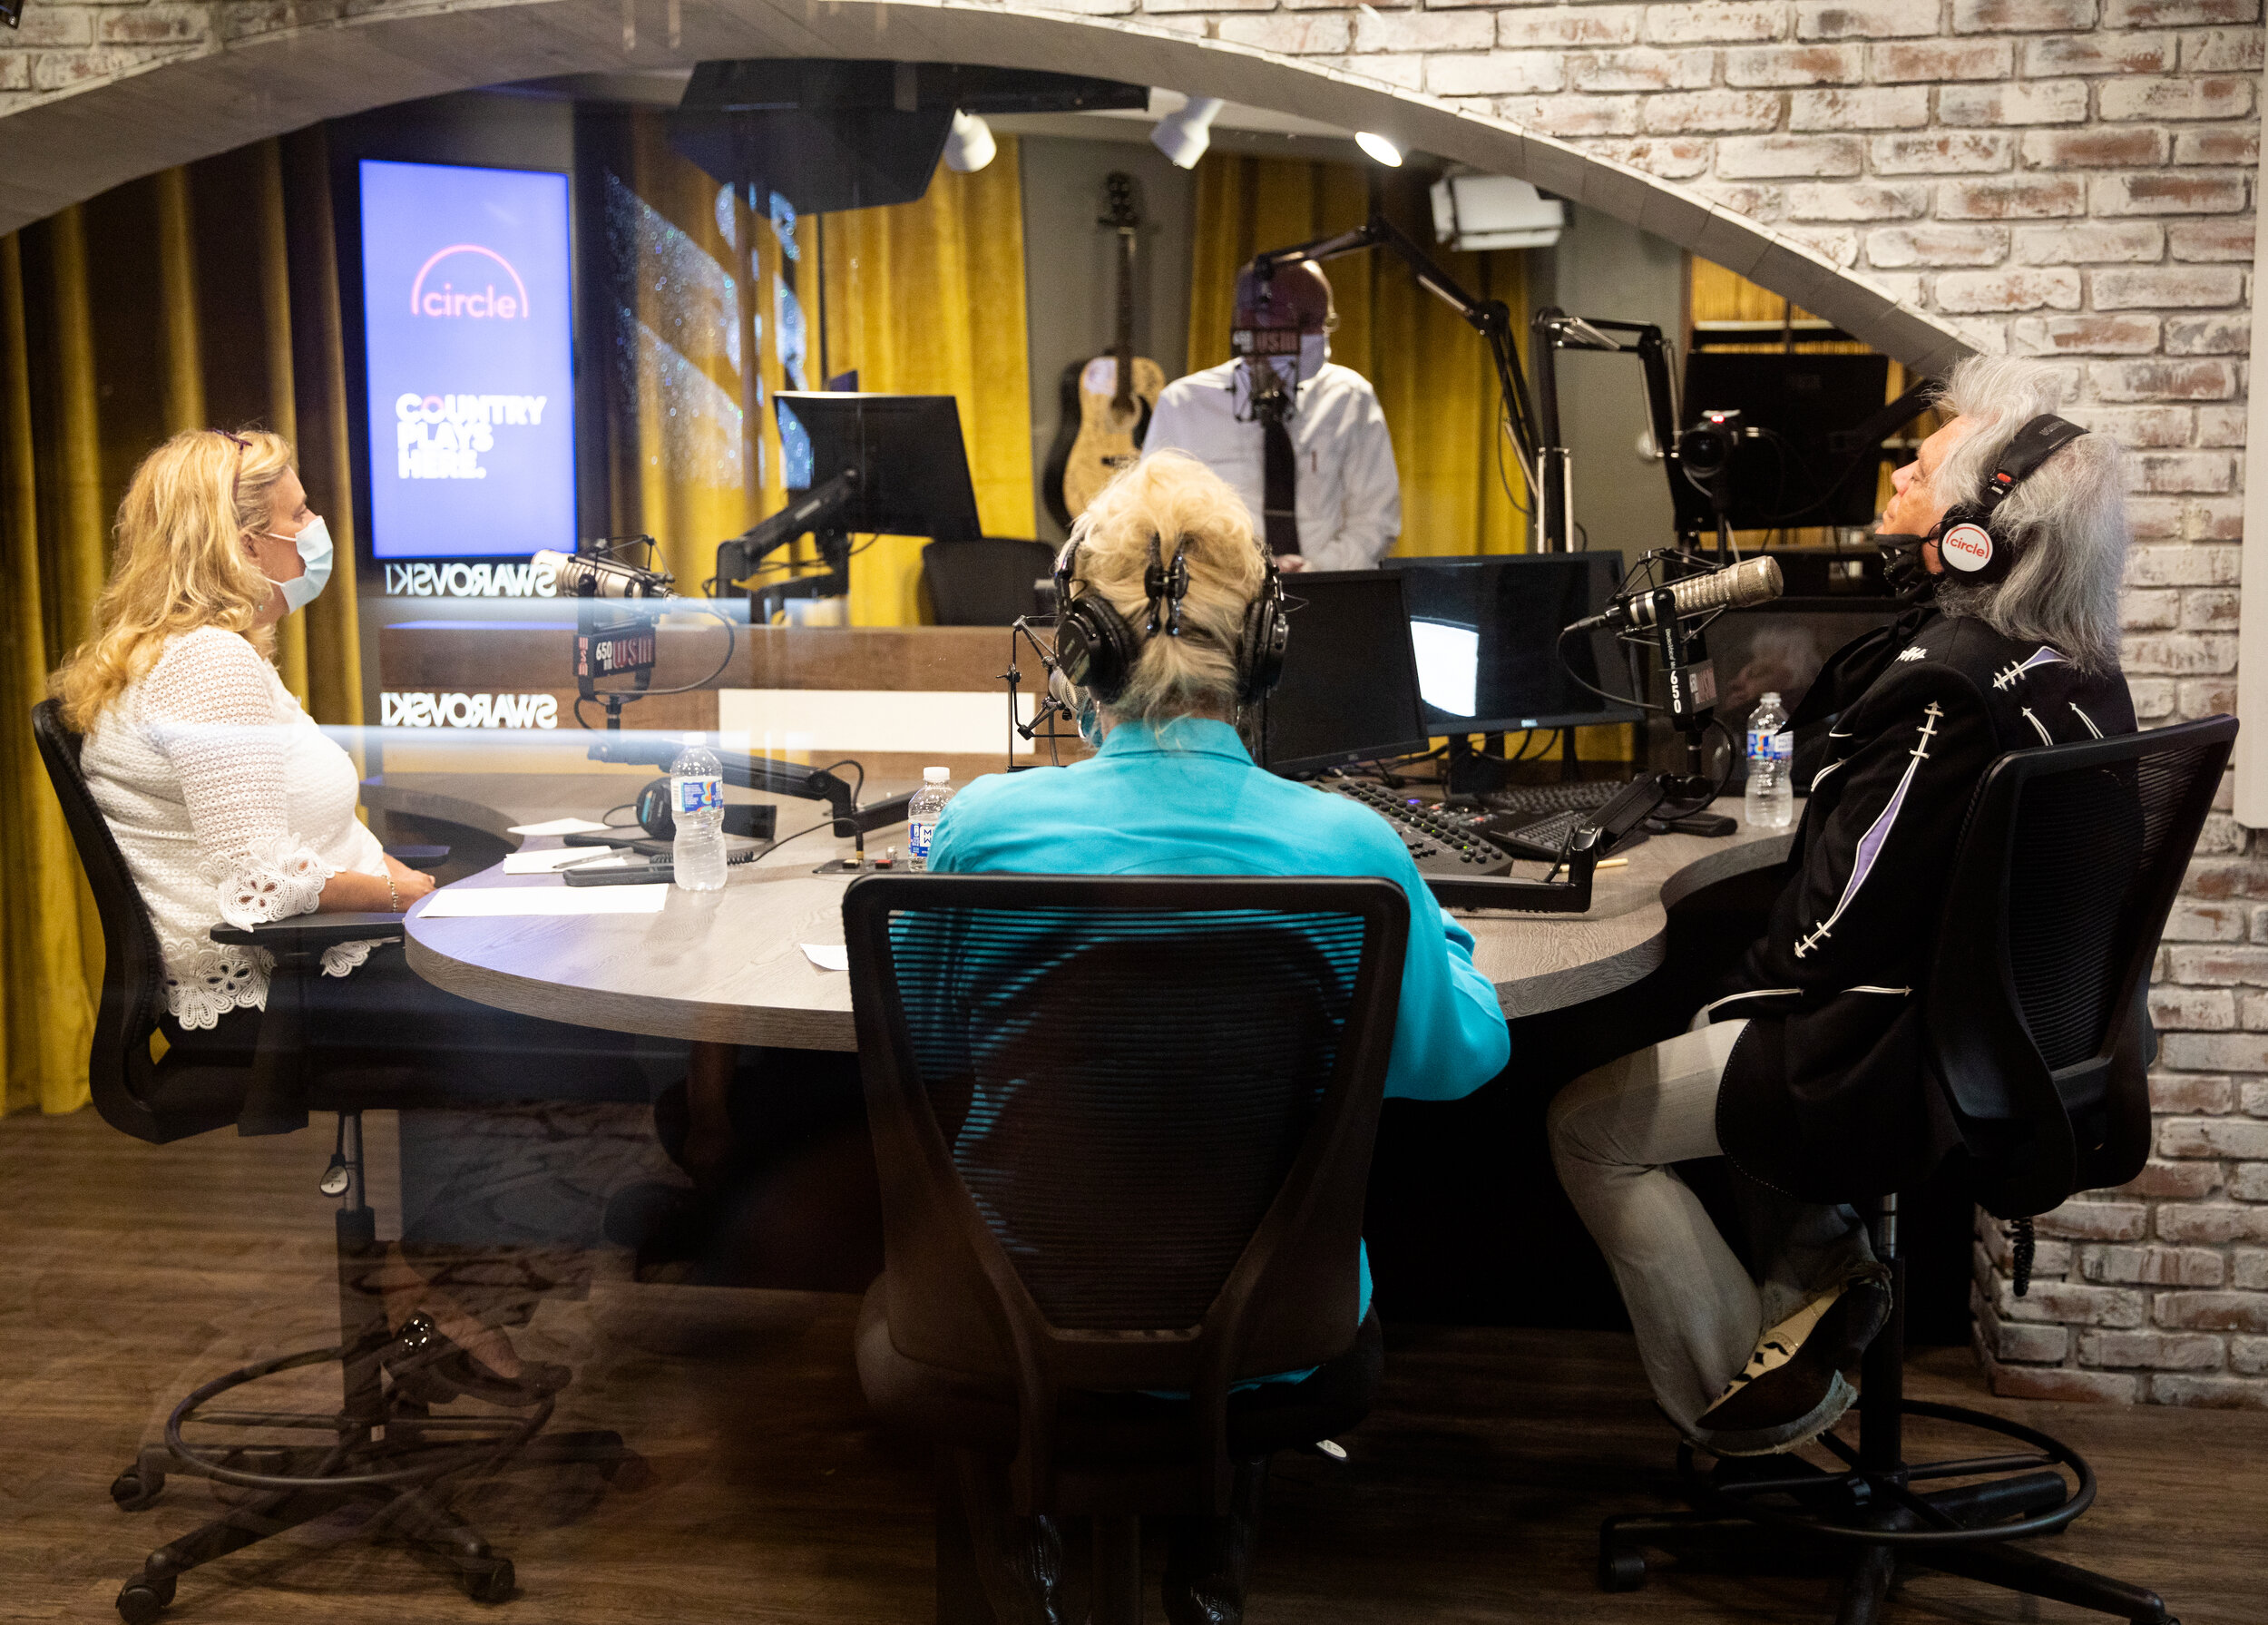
[(229, 805)]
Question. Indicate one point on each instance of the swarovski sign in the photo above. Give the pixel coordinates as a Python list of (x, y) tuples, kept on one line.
[(431, 579)]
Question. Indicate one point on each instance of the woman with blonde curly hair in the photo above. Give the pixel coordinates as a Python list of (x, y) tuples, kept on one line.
[(229, 805), (1171, 790)]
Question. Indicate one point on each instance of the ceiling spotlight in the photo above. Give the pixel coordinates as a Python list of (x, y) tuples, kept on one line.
[(1384, 151), (969, 145), (1183, 136)]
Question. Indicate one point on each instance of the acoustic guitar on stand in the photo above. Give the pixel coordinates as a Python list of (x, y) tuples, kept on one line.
[(1107, 401)]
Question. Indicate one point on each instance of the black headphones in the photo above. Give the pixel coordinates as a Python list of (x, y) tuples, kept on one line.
[(1097, 649), (1971, 549)]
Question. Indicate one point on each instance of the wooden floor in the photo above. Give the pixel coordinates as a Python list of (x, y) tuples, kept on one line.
[(131, 1274)]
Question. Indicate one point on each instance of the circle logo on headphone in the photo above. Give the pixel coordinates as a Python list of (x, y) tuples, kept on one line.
[(1966, 548)]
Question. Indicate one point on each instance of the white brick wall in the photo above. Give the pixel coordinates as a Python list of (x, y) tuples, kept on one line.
[(2069, 178)]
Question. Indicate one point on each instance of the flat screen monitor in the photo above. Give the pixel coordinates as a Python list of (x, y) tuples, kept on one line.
[(1779, 647), (1486, 632), (468, 336), (914, 474), (1350, 688), (1810, 469)]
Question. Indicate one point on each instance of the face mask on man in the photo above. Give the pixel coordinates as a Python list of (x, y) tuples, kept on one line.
[(314, 543)]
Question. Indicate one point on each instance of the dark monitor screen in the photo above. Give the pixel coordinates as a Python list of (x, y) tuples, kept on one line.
[(1485, 630), (1779, 647), (1349, 691), (1810, 469), (913, 473)]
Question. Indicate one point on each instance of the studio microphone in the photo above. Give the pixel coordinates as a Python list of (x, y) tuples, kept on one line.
[(583, 575), (1734, 587)]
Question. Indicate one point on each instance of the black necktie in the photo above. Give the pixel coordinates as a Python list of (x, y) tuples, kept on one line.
[(1278, 496)]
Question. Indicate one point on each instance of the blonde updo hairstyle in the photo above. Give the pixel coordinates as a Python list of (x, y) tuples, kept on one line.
[(1194, 513), (180, 563)]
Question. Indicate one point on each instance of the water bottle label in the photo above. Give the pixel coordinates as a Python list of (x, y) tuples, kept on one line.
[(917, 834), (1765, 746), (695, 795)]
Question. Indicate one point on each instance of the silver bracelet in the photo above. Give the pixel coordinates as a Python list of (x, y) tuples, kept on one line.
[(392, 895)]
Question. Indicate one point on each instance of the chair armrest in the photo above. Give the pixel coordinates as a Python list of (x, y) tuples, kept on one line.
[(419, 857), (306, 932)]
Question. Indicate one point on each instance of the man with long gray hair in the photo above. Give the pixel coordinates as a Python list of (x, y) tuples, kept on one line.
[(2010, 530)]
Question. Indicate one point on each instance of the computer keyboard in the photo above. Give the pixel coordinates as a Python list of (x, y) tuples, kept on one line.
[(1578, 795), (1546, 835), (1443, 841)]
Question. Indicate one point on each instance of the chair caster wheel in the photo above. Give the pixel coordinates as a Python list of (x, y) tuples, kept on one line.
[(135, 1490), (491, 1584), (142, 1600), (1620, 1568)]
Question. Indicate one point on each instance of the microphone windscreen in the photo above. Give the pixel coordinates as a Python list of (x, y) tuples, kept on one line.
[(1756, 580)]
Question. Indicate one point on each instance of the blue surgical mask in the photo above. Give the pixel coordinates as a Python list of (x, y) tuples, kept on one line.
[(314, 544)]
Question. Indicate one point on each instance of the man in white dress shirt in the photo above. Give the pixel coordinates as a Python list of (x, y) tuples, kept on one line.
[(1300, 439)]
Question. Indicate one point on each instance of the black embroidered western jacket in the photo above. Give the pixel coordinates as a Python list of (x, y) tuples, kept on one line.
[(1824, 1095)]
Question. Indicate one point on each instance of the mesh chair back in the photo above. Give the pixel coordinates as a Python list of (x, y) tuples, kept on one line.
[(2068, 865), (120, 1074), (986, 581), (1123, 1125)]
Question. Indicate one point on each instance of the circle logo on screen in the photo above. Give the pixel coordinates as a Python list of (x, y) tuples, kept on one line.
[(1966, 548), (434, 291)]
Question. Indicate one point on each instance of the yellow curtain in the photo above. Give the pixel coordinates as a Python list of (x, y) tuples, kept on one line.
[(927, 298), (1462, 491), (190, 297), (697, 277)]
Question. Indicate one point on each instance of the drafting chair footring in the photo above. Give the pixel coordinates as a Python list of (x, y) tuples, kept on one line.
[(1876, 1517), (379, 1449)]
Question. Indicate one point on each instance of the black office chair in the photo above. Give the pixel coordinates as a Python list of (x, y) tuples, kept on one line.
[(986, 581), (2039, 1035), (1123, 1128), (381, 1446)]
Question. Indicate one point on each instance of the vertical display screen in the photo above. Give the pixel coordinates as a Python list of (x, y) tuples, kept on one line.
[(469, 344)]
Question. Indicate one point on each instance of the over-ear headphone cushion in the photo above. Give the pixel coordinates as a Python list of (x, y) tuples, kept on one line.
[(1969, 550), (1095, 648), (1260, 655)]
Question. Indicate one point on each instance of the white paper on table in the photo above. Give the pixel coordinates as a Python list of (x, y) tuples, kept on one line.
[(828, 956), (549, 861), (496, 902), (558, 827)]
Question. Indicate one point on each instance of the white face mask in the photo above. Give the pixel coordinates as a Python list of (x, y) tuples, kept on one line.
[(314, 543)]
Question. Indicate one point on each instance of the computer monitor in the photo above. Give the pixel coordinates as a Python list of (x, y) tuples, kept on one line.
[(1810, 469), (1350, 689), (1486, 633), (1779, 647), (914, 474)]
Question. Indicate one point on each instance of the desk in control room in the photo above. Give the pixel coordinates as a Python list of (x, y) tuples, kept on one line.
[(728, 966)]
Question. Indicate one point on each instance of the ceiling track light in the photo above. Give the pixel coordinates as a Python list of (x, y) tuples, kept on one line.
[(1183, 136), (1379, 148), (969, 145)]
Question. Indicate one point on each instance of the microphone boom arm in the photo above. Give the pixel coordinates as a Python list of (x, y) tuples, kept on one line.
[(816, 508)]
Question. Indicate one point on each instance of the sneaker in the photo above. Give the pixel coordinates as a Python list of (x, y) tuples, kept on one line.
[(1802, 1368)]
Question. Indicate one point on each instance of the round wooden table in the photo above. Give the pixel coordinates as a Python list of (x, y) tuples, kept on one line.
[(728, 966)]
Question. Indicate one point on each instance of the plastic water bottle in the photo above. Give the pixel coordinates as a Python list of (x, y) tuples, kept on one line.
[(697, 806), (923, 812), (1771, 797)]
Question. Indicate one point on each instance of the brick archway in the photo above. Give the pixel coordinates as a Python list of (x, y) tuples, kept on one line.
[(262, 69)]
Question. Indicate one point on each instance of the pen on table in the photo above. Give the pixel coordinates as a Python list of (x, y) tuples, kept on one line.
[(1611, 863)]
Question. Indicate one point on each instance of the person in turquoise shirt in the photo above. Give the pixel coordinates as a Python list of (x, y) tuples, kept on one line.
[(1172, 790)]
